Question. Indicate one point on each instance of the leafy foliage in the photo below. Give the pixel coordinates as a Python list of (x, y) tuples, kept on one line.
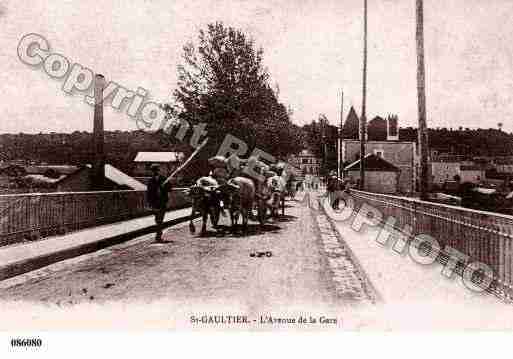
[(466, 142), (321, 138), (224, 83)]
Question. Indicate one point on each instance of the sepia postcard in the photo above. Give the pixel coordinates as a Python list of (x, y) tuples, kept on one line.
[(288, 166)]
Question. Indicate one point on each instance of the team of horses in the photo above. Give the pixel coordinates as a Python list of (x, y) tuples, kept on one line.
[(240, 195)]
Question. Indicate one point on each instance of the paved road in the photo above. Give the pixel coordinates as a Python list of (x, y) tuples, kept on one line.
[(216, 271), (312, 272)]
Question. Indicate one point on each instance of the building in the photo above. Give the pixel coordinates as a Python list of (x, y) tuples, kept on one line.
[(91, 177), (380, 175), (377, 129), (382, 140), (6, 175), (168, 162), (442, 172), (400, 154), (504, 165), (294, 171), (49, 171), (9, 174), (351, 127), (472, 173), (393, 128), (307, 162), (114, 179), (26, 179), (33, 178)]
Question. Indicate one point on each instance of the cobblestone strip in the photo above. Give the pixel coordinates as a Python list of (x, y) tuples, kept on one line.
[(349, 279)]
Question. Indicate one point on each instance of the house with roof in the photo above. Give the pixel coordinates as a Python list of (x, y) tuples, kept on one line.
[(380, 175), (504, 165), (114, 179), (51, 171), (351, 127), (382, 141), (8, 172), (472, 173), (307, 162), (401, 154), (168, 162), (464, 171), (4, 176), (30, 178)]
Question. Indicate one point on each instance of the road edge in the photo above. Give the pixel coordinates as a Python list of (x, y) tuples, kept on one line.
[(38, 262), (370, 290)]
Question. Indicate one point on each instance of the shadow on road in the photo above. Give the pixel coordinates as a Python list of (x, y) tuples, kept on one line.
[(285, 218), (253, 229)]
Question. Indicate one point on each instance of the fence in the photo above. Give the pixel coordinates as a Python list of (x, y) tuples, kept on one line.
[(38, 215), (483, 236)]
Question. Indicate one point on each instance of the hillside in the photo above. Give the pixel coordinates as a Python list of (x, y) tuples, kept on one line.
[(75, 148), (468, 142), (122, 146)]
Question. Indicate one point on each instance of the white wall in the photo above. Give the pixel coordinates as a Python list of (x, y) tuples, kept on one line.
[(444, 171)]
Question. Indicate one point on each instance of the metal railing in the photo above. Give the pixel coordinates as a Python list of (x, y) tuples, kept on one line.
[(32, 216), (486, 237)]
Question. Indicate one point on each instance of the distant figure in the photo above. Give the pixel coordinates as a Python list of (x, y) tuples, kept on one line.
[(331, 187), (340, 188), (221, 175), (157, 196), (291, 189)]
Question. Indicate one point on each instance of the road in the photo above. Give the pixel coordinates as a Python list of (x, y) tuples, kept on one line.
[(198, 274), (339, 277)]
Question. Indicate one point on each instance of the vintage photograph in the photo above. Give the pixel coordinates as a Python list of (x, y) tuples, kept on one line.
[(256, 166)]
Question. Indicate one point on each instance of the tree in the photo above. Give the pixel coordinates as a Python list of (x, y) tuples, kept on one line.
[(224, 84), (321, 138)]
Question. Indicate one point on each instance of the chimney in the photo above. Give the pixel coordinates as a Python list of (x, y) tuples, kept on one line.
[(392, 128), (98, 139)]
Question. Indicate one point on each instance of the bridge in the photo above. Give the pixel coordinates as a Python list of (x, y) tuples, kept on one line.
[(66, 249)]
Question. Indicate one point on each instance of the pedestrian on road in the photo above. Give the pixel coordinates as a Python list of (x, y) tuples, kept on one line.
[(221, 175), (340, 187), (331, 187), (157, 196)]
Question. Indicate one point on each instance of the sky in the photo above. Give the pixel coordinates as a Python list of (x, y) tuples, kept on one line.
[(312, 49)]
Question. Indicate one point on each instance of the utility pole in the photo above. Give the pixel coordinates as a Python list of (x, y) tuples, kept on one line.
[(363, 120), (98, 170), (339, 143), (421, 95), (324, 146)]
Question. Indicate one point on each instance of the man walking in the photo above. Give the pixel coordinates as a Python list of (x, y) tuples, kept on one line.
[(157, 196), (331, 187)]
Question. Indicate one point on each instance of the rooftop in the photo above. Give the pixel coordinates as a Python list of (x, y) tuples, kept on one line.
[(60, 169), (121, 178), (373, 163), (160, 157)]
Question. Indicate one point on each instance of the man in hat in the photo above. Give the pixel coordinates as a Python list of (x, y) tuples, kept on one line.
[(157, 196), (331, 187)]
